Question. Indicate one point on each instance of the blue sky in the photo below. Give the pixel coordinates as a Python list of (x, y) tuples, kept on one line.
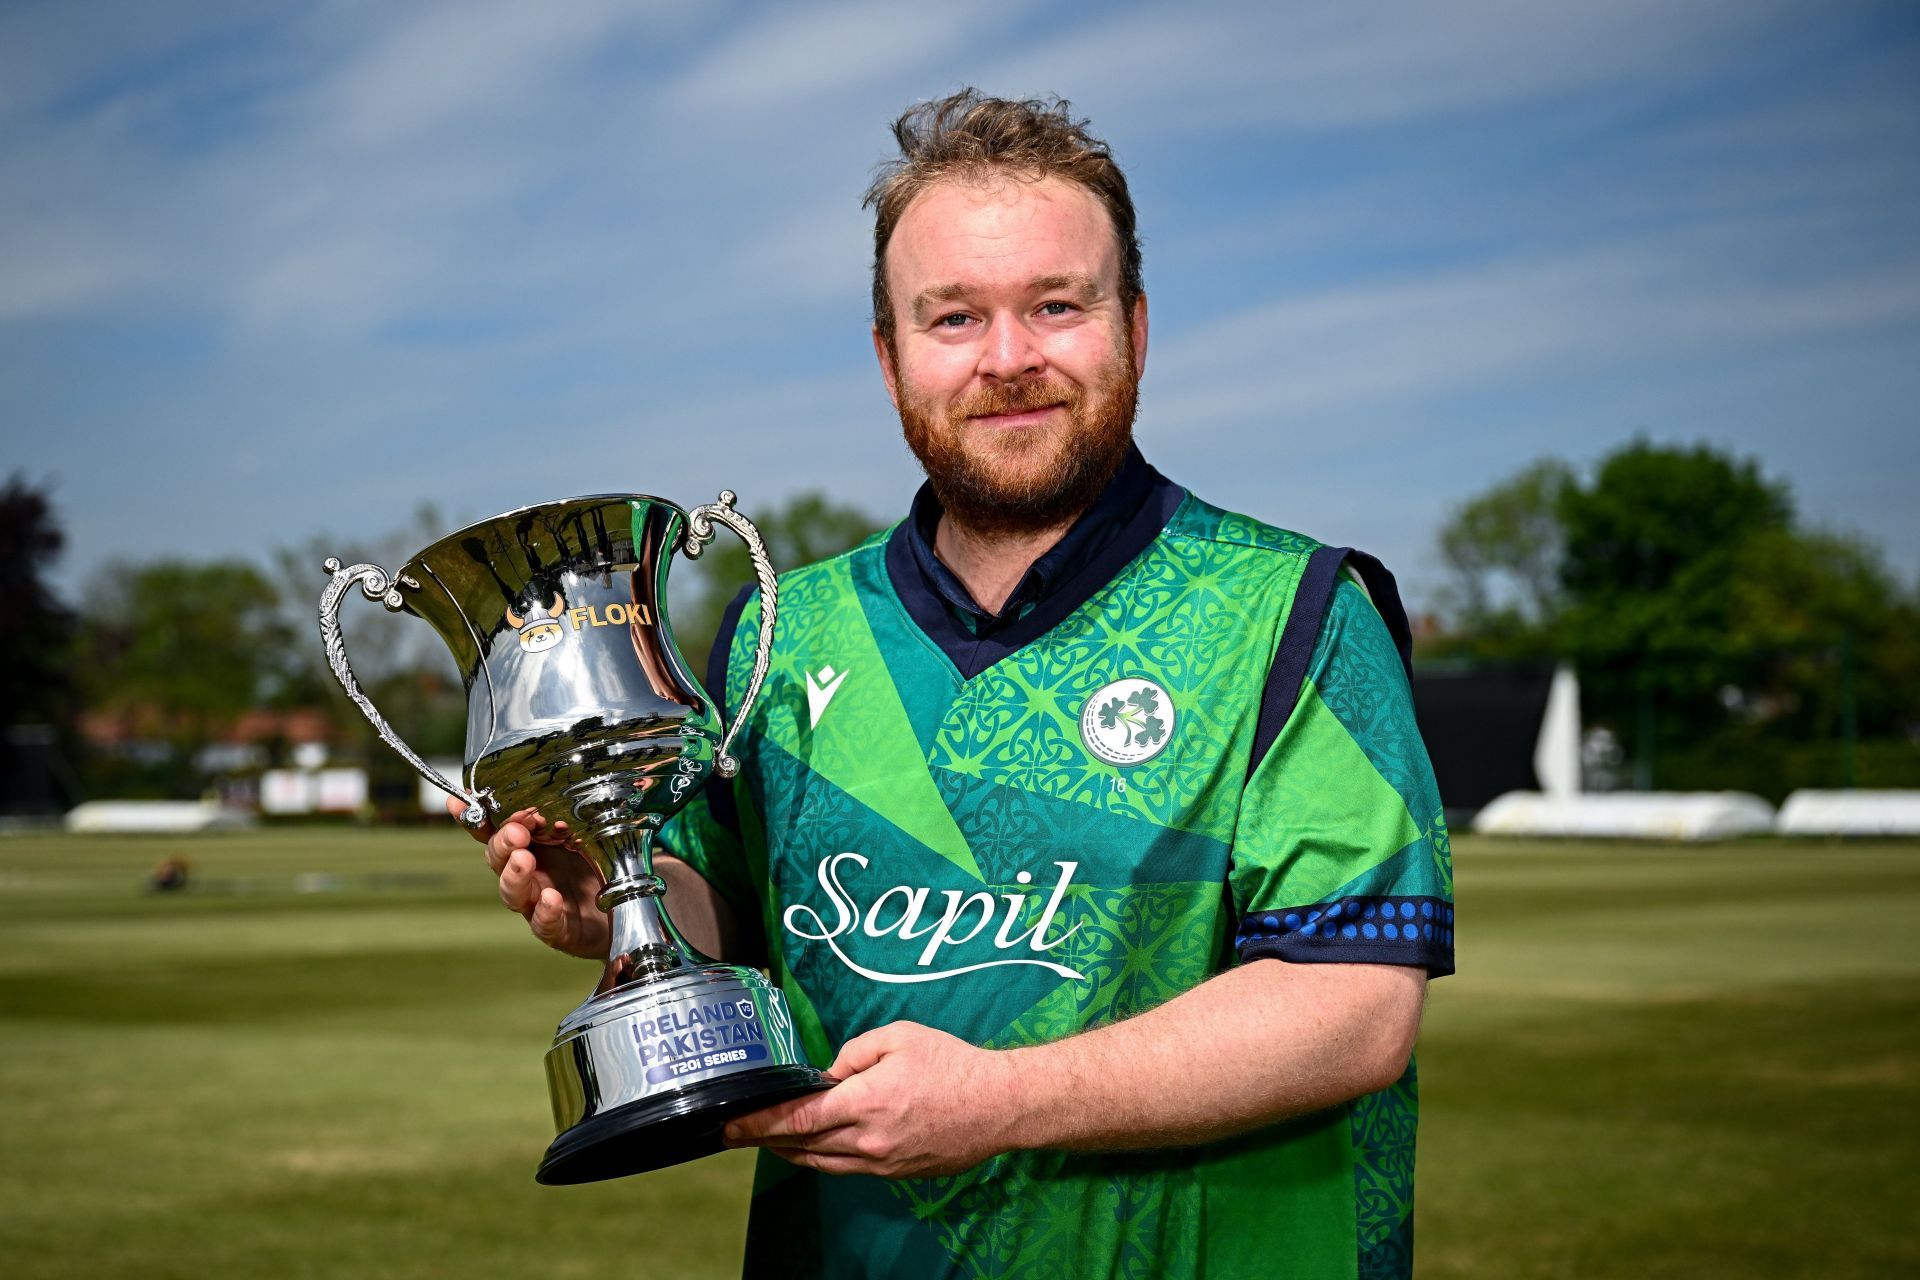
[(273, 271)]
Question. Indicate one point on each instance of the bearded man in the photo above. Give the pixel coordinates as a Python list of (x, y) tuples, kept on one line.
[(1085, 825)]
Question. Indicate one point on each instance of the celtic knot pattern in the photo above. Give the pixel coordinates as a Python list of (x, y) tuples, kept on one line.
[(1194, 613), (1383, 1127), (1367, 691), (1141, 918)]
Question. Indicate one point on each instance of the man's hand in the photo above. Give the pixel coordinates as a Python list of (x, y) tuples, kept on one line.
[(912, 1102), (545, 879), (1277, 1040)]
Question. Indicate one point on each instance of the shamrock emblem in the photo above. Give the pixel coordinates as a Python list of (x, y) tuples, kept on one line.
[(1127, 721), (1135, 717)]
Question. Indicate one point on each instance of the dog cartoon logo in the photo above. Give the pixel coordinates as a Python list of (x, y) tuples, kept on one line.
[(537, 635)]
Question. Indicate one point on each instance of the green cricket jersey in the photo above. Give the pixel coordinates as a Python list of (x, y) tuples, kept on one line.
[(1075, 833)]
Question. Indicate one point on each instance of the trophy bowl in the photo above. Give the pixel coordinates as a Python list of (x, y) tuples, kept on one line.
[(580, 705)]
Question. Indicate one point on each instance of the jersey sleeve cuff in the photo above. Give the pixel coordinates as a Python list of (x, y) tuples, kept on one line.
[(1390, 929)]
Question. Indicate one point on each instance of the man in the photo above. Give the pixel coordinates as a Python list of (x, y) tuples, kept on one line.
[(1086, 826)]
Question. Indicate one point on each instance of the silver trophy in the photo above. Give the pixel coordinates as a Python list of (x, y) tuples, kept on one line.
[(580, 705)]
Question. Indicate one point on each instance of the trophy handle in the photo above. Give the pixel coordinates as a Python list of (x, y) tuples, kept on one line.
[(699, 534), (376, 585)]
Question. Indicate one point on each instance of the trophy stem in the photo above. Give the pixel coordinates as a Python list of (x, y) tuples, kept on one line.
[(644, 943), (624, 853)]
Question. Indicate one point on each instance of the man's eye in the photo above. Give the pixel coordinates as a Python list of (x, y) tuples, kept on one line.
[(953, 321), (1056, 308)]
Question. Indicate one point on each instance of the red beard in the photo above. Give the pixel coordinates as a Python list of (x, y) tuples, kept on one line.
[(1005, 481)]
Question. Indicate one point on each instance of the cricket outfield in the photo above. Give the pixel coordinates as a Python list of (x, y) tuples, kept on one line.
[(323, 1059)]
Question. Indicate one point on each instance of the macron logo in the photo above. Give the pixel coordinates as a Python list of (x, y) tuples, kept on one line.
[(820, 691)]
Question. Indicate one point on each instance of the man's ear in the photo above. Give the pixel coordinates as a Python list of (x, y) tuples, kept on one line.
[(1140, 335), (888, 373)]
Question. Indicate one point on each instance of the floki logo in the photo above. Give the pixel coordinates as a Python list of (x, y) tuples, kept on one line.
[(820, 691), (537, 634), (1127, 722), (962, 918)]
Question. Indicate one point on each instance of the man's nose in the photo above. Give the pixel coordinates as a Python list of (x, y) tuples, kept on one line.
[(1012, 351)]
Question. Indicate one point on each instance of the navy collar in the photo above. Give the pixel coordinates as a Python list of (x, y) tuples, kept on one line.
[(1128, 514)]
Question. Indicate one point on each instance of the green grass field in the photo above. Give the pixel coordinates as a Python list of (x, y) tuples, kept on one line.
[(1656, 1061)]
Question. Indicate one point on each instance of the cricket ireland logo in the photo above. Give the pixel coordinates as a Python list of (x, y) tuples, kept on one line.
[(1127, 721)]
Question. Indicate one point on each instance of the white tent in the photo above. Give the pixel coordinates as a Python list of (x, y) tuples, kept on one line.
[(1850, 813), (1643, 815), (163, 817)]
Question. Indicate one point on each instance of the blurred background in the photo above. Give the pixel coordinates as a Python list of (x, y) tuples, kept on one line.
[(1600, 325)]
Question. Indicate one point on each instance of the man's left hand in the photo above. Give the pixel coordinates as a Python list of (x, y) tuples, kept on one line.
[(912, 1102)]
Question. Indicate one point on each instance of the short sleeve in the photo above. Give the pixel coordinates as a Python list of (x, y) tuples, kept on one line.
[(1341, 850)]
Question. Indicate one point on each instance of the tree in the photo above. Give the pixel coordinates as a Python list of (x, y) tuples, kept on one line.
[(1833, 636), (1504, 561), (180, 648), (1652, 547), (1699, 615), (39, 699), (806, 528), (1654, 514), (1503, 548), (382, 644), (36, 630)]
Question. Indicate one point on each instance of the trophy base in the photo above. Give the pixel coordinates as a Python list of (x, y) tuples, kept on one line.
[(644, 1074), (658, 1132)]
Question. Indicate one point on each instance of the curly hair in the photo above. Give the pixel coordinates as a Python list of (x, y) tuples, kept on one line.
[(968, 135)]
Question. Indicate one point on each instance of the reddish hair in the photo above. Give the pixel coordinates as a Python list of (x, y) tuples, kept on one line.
[(968, 135)]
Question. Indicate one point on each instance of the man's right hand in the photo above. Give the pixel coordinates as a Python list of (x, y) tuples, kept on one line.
[(544, 877)]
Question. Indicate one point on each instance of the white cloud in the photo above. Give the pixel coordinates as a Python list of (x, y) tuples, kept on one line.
[(463, 60), (823, 252), (629, 226), (1367, 61), (797, 52), (47, 268), (1510, 322), (53, 54)]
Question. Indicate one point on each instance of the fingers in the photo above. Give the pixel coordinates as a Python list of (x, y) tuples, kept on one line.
[(807, 1117), (544, 879), (512, 837), (849, 1149), (834, 1164), (522, 880), (862, 1052), (847, 1140), (551, 922), (520, 831), (555, 899)]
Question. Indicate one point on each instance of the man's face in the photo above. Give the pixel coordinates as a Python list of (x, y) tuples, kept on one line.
[(1013, 365)]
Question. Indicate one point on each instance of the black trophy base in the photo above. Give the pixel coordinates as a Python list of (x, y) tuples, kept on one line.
[(657, 1132)]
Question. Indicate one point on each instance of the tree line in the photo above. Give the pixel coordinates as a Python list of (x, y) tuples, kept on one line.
[(1723, 639), (1719, 636), (143, 684)]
